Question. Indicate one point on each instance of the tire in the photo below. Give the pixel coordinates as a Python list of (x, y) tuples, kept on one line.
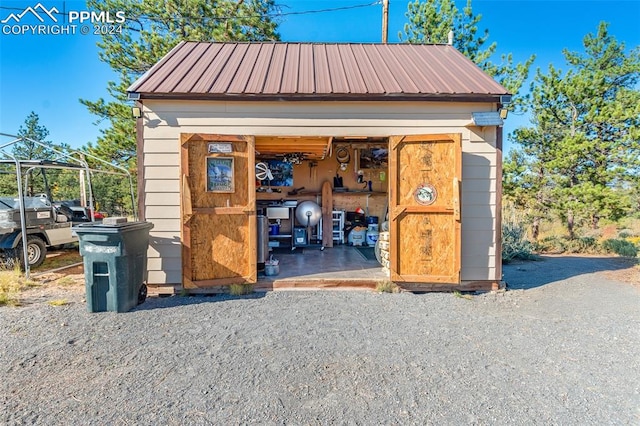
[(142, 294), (36, 252)]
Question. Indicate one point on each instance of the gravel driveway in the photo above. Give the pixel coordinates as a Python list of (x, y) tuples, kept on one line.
[(560, 348)]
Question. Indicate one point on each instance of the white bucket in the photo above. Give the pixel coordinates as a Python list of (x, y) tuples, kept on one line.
[(372, 238), (271, 270)]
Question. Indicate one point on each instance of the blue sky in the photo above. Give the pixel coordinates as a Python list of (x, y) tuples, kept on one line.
[(49, 73)]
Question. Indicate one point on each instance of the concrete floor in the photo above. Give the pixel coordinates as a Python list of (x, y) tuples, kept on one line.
[(342, 266)]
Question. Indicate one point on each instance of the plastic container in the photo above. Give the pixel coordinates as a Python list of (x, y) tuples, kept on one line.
[(372, 227), (372, 238), (271, 270), (272, 267), (299, 236), (372, 219), (115, 261), (274, 229), (357, 236)]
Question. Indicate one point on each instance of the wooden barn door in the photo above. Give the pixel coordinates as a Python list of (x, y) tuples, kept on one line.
[(218, 210), (424, 208)]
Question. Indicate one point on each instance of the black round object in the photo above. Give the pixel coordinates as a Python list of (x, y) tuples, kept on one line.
[(142, 294)]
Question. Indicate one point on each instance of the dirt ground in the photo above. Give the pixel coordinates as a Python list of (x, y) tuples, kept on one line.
[(559, 346)]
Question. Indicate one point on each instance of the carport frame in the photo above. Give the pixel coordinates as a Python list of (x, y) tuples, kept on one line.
[(54, 164)]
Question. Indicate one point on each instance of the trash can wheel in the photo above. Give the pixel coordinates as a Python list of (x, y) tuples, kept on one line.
[(142, 294)]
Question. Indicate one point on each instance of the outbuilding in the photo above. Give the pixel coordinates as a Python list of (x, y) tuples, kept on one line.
[(233, 137)]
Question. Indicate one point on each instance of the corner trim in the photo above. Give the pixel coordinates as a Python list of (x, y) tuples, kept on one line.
[(140, 162)]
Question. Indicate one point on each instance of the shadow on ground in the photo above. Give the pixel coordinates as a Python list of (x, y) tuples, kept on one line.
[(179, 300), (525, 275)]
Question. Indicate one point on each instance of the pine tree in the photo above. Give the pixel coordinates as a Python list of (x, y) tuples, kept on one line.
[(589, 120), (152, 28), (27, 149), (429, 21)]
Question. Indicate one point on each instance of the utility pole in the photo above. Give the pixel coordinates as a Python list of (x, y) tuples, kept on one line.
[(385, 20)]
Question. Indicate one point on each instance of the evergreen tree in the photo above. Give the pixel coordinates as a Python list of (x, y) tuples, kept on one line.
[(152, 28), (27, 149), (429, 21), (589, 120)]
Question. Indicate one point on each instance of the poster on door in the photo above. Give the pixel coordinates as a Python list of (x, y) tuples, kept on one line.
[(220, 174)]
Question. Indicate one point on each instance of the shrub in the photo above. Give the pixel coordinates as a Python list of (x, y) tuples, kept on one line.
[(625, 233), (582, 245), (552, 244), (634, 240), (620, 247), (514, 242), (555, 244)]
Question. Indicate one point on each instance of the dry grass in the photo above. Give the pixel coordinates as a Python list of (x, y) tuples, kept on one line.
[(387, 287), (58, 302), (240, 289), (66, 282), (12, 283), (58, 259)]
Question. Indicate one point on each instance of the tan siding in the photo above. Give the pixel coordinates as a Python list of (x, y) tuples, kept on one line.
[(477, 172), (476, 185), (475, 274), (165, 264), (165, 277), (164, 250), (166, 225), (162, 199), (483, 243), (477, 147), (474, 261), (476, 224), (478, 159), (171, 118), (479, 198), (161, 212), (162, 185), (484, 212), (172, 159), (153, 146), (159, 172), (366, 129)]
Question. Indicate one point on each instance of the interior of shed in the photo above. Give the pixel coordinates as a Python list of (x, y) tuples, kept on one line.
[(303, 181)]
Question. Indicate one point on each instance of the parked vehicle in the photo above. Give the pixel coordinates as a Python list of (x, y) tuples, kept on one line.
[(45, 225), (76, 212)]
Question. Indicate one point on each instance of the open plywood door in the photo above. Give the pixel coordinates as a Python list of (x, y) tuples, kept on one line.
[(424, 208), (218, 210)]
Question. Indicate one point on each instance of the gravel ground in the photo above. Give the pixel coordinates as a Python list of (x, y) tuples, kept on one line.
[(560, 348)]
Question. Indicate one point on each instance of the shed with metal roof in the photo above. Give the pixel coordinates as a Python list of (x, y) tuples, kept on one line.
[(409, 134)]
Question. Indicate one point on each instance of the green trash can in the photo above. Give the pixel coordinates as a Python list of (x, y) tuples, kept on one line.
[(114, 253)]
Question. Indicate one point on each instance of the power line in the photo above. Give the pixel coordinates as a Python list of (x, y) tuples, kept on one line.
[(335, 9), (271, 15)]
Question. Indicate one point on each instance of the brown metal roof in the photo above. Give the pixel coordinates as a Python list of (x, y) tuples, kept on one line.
[(197, 70)]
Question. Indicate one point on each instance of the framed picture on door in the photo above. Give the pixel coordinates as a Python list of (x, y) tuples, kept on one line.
[(220, 174)]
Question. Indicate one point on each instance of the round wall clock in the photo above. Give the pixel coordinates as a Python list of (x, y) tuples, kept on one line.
[(426, 194)]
